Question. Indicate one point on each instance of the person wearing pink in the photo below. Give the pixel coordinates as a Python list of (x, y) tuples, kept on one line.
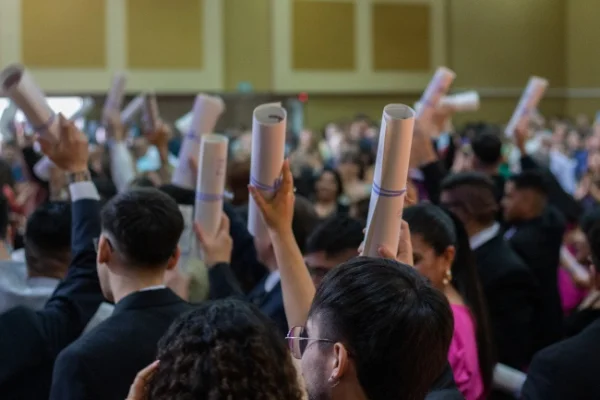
[(442, 253)]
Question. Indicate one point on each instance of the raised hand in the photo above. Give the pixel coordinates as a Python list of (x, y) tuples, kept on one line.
[(215, 249), (70, 151), (114, 128), (160, 136), (405, 252), (277, 212)]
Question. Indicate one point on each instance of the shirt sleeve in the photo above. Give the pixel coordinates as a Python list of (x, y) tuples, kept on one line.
[(83, 191), (121, 165)]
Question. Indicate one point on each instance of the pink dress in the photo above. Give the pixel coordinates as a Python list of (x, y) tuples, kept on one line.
[(463, 356)]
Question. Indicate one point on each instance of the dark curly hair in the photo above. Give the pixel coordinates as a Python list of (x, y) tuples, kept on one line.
[(224, 349)]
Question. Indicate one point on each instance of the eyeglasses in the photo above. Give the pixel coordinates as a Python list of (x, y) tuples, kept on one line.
[(298, 341)]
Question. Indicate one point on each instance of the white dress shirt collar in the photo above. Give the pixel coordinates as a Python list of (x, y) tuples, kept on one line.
[(481, 238), (272, 281)]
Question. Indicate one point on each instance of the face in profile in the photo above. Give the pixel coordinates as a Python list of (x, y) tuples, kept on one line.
[(429, 263), (514, 203), (319, 264)]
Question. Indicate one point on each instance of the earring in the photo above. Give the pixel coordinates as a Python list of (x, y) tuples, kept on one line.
[(448, 277), (334, 382)]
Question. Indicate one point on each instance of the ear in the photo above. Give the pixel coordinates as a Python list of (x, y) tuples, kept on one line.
[(341, 363), (104, 251), (172, 263), (449, 255)]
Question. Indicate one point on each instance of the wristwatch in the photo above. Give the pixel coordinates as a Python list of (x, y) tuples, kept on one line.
[(80, 176)]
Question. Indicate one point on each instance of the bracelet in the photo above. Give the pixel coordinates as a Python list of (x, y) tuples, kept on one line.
[(80, 176)]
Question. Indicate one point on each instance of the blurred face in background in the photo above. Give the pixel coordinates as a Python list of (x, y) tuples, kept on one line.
[(327, 187), (306, 142), (349, 167), (593, 163), (573, 141), (140, 147), (560, 132), (515, 203), (592, 144)]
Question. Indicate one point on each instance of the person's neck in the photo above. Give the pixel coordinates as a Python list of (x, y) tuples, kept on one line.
[(473, 229), (350, 391), (124, 285)]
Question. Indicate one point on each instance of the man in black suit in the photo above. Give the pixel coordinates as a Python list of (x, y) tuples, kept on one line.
[(137, 245), (507, 282), (30, 340), (569, 369), (535, 232)]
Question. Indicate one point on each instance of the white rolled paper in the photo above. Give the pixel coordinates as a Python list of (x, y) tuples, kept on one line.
[(438, 87), (389, 181), (8, 117), (205, 114), (268, 151), (508, 379), (132, 109), (86, 107), (461, 102), (184, 123), (210, 188), (20, 87), (42, 168), (151, 115), (527, 104), (114, 98)]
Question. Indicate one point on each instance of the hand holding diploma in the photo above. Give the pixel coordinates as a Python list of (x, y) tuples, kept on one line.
[(114, 98), (132, 109), (20, 87), (437, 88), (536, 87), (390, 180), (461, 102), (268, 150), (151, 115)]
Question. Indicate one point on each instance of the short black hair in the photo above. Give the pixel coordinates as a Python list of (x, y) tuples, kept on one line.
[(336, 176), (4, 217), (397, 327), (335, 235), (48, 236), (305, 220), (146, 225), (532, 180), (476, 179), (487, 147), (183, 196), (141, 181)]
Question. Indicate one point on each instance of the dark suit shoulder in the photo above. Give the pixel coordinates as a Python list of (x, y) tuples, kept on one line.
[(497, 261)]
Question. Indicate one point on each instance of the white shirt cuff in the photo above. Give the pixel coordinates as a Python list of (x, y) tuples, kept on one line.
[(83, 191)]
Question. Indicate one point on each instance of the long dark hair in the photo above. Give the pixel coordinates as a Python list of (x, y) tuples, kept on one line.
[(440, 228)]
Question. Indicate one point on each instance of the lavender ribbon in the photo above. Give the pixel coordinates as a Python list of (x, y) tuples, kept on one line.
[(45, 126), (208, 196), (262, 186), (379, 191)]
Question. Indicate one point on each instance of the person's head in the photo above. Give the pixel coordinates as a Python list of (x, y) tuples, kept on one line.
[(225, 349), (48, 240), (375, 327), (525, 196), (442, 253), (303, 223), (470, 195), (573, 141), (329, 186), (333, 242), (487, 149), (139, 239), (307, 141), (141, 182), (350, 166)]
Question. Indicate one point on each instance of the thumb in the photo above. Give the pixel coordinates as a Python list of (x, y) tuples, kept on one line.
[(385, 253), (45, 144)]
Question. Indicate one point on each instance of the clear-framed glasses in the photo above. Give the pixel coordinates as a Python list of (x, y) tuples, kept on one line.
[(298, 341)]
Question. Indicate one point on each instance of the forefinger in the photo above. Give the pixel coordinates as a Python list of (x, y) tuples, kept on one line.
[(287, 184)]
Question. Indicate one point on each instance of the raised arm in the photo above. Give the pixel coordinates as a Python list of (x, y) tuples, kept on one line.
[(30, 339), (296, 284), (121, 162)]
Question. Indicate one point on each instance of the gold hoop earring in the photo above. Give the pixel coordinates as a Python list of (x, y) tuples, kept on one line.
[(446, 281)]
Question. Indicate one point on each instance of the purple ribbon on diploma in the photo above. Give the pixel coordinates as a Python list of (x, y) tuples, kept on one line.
[(379, 191), (192, 136), (45, 126), (267, 188), (208, 196)]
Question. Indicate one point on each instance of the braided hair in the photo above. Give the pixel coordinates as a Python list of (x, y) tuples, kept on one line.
[(224, 349)]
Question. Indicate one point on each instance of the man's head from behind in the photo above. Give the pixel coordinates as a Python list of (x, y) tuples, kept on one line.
[(304, 222), (140, 233), (470, 195), (333, 242), (48, 240), (525, 196), (378, 328), (487, 149)]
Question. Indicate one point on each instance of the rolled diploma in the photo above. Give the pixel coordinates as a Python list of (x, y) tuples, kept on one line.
[(529, 100), (508, 379), (186, 242), (184, 123), (114, 98), (438, 87), (132, 109), (86, 107), (389, 182), (8, 117), (20, 87), (206, 112), (460, 102), (268, 150), (151, 114), (211, 182)]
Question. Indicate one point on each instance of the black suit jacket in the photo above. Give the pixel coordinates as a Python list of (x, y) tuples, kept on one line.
[(566, 370), (444, 388), (510, 292), (271, 304), (103, 363), (538, 243), (31, 340)]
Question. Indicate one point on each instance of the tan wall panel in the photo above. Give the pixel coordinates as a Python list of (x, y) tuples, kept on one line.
[(248, 49), (500, 43), (583, 38), (323, 35), (164, 34), (63, 34), (401, 37)]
